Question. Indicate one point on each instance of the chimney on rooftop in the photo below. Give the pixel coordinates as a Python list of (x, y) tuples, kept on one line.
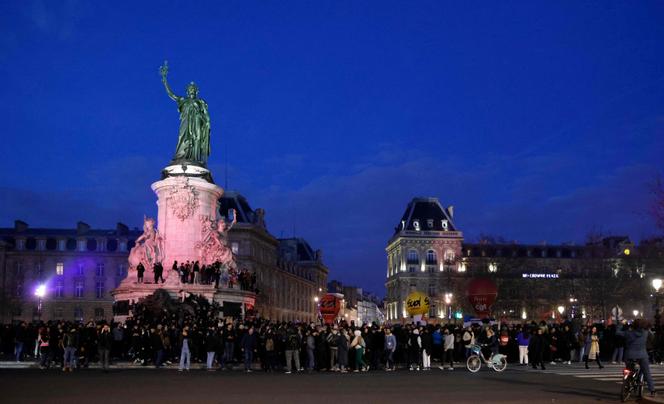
[(121, 229), (450, 211), (82, 228), (20, 226)]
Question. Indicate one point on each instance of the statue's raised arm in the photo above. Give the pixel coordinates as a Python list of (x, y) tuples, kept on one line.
[(163, 70)]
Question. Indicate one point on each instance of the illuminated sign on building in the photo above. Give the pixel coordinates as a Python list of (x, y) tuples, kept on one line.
[(546, 276)]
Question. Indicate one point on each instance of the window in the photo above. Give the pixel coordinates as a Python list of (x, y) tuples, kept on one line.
[(432, 259), (20, 244), (413, 258), (60, 269), (449, 256), (78, 314), (416, 225), (58, 313), (432, 290), (462, 267), (121, 272), (235, 247), (112, 244), (18, 269), (38, 270), (444, 224), (100, 269), (431, 268), (430, 223), (99, 290), (91, 244), (99, 313), (78, 290), (19, 290), (59, 289), (80, 270), (411, 268)]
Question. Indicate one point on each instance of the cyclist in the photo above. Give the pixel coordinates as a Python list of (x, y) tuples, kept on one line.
[(635, 348)]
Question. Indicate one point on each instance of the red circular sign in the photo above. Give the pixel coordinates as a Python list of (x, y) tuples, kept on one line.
[(482, 292)]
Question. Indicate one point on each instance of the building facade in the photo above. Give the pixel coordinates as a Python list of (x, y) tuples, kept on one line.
[(289, 273), (80, 267), (535, 282)]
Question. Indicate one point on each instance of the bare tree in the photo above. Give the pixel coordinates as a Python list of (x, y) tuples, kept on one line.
[(657, 207)]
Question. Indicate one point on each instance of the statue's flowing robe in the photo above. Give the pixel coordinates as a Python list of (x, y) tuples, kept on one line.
[(194, 137)]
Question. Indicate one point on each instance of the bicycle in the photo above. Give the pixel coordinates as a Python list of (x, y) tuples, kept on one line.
[(632, 381), (497, 362)]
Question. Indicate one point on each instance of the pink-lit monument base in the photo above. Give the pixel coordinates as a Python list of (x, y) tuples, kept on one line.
[(189, 229)]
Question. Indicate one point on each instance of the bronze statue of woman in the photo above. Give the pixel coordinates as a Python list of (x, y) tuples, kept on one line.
[(194, 137)]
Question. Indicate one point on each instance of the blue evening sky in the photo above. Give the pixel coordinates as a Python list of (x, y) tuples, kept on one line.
[(538, 121)]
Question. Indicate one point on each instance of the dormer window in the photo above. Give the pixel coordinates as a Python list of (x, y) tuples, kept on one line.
[(444, 224), (430, 223), (416, 225)]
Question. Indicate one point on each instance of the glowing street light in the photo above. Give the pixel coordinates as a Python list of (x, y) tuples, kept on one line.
[(657, 284), (40, 292), (524, 315), (561, 310), (636, 313), (316, 299)]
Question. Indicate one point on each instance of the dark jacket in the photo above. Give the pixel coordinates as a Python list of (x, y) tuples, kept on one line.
[(105, 340), (635, 343), (249, 342)]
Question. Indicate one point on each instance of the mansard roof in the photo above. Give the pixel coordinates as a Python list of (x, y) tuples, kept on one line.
[(235, 200), (428, 213), (302, 249), (21, 229)]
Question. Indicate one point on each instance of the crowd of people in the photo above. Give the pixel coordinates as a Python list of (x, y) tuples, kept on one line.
[(192, 272), (193, 332)]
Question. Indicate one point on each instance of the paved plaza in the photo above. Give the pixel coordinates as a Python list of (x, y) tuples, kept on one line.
[(560, 384)]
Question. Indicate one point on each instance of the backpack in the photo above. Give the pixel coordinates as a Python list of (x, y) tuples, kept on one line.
[(269, 344), (293, 342)]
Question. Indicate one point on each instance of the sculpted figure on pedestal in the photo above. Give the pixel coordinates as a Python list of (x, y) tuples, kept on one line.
[(213, 246), (149, 248), (194, 136)]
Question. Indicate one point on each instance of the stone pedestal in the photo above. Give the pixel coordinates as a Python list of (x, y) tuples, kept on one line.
[(182, 203), (189, 229), (132, 292)]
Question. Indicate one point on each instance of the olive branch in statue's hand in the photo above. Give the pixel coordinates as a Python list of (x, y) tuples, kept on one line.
[(163, 70)]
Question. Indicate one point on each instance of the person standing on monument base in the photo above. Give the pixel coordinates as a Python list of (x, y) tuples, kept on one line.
[(158, 270), (140, 270)]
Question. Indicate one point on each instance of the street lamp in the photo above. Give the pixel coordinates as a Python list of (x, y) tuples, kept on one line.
[(561, 310), (40, 292), (448, 301), (657, 284), (524, 315), (316, 299), (636, 313)]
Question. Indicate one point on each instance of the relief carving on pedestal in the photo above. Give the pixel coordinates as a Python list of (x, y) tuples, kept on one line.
[(182, 198), (213, 246)]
